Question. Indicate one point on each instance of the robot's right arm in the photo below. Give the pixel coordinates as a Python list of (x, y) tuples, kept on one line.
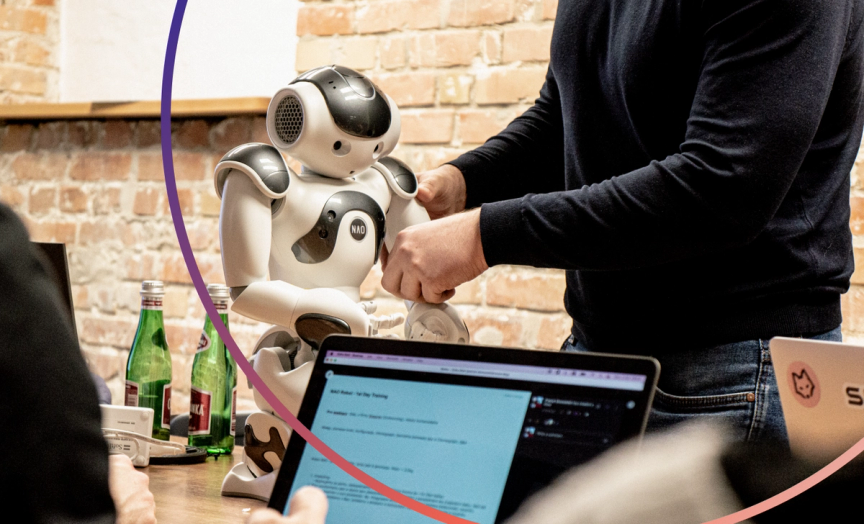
[(248, 186)]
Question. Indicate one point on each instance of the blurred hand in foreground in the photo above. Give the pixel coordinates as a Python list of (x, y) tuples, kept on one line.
[(130, 490), (307, 506)]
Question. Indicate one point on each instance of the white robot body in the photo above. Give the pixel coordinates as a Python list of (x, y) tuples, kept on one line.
[(297, 247)]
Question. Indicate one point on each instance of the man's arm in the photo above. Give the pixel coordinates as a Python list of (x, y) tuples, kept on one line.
[(527, 157), (767, 72)]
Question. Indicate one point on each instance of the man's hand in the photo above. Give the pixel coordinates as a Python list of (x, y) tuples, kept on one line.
[(130, 490), (442, 191), (308, 506), (429, 260)]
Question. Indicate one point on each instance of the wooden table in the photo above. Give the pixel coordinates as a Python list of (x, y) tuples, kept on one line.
[(190, 494)]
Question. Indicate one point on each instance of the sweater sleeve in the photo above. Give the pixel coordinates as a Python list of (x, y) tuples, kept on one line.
[(767, 72), (527, 157)]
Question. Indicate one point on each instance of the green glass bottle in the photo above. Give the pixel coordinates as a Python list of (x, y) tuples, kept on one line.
[(148, 369), (214, 380)]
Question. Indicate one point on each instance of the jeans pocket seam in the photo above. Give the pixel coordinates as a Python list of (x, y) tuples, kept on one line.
[(728, 399)]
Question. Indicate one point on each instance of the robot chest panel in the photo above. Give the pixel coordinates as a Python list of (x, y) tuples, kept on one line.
[(362, 218)]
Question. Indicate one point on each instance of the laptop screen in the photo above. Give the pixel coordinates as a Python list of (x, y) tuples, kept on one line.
[(469, 437)]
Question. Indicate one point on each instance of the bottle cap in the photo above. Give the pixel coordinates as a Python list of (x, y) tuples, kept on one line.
[(152, 288), (218, 292)]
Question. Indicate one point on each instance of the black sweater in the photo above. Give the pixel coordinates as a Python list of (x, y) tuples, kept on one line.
[(688, 164)]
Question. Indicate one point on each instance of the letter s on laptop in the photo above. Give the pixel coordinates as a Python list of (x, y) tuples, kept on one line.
[(468, 430), (822, 393)]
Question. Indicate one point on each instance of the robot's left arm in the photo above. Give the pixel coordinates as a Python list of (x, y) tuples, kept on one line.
[(439, 322)]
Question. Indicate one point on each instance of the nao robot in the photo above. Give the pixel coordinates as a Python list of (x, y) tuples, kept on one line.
[(316, 234)]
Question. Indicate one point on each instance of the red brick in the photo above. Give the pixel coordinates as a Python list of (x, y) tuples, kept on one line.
[(381, 17), (313, 52), (480, 12), (116, 332), (73, 200), (526, 289), (210, 266), (550, 7), (527, 44), (95, 232), (192, 134), (105, 362), (454, 88), (325, 20), (445, 48), (45, 166), (492, 328), (50, 135), (42, 200), (150, 167), (22, 19), (475, 126), (408, 89), (11, 196), (51, 231), (16, 137), (107, 200), (507, 86), (230, 133), (21, 80), (182, 339), (42, 2), (176, 302), (492, 47), (853, 309), (29, 51), (190, 166), (394, 52), (210, 204), (146, 201), (554, 330), (858, 275), (147, 133), (359, 53), (139, 266), (118, 134), (84, 133), (101, 166), (856, 220), (432, 126), (468, 293), (80, 297), (424, 14), (186, 199)]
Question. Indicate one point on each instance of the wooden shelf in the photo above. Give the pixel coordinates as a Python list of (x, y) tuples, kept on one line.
[(149, 109)]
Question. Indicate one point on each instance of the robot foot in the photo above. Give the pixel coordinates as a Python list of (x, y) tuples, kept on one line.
[(240, 482), (266, 440), (435, 323)]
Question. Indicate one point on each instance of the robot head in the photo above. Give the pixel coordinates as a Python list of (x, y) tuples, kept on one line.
[(334, 120)]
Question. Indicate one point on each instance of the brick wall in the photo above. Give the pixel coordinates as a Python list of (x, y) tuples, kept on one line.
[(460, 70), (29, 36)]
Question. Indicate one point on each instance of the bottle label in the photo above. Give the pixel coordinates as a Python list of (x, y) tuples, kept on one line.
[(199, 411), (151, 303), (203, 343), (221, 306), (234, 411), (131, 394), (166, 406)]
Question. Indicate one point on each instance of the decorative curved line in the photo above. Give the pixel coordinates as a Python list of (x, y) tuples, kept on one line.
[(198, 281)]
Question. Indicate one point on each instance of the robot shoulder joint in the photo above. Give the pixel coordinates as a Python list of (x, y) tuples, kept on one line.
[(400, 177), (262, 163)]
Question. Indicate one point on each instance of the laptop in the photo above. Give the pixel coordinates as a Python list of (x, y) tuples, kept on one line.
[(469, 430), (822, 393)]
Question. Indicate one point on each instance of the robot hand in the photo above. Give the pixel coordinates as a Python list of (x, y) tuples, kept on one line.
[(435, 323), (382, 322)]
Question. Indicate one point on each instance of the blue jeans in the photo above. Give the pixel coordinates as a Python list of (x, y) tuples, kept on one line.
[(732, 383)]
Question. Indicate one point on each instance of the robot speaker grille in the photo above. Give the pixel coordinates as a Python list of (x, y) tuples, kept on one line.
[(288, 120)]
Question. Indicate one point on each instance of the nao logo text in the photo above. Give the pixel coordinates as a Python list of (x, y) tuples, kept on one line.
[(358, 229), (854, 395)]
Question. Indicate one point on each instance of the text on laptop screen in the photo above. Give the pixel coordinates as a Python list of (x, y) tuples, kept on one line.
[(460, 436)]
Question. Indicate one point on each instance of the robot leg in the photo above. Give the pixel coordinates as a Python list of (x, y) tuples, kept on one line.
[(284, 363)]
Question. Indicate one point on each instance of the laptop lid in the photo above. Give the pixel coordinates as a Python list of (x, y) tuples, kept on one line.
[(469, 430), (821, 388)]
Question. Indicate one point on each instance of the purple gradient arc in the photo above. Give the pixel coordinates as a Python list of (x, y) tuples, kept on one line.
[(201, 288), (282, 411)]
